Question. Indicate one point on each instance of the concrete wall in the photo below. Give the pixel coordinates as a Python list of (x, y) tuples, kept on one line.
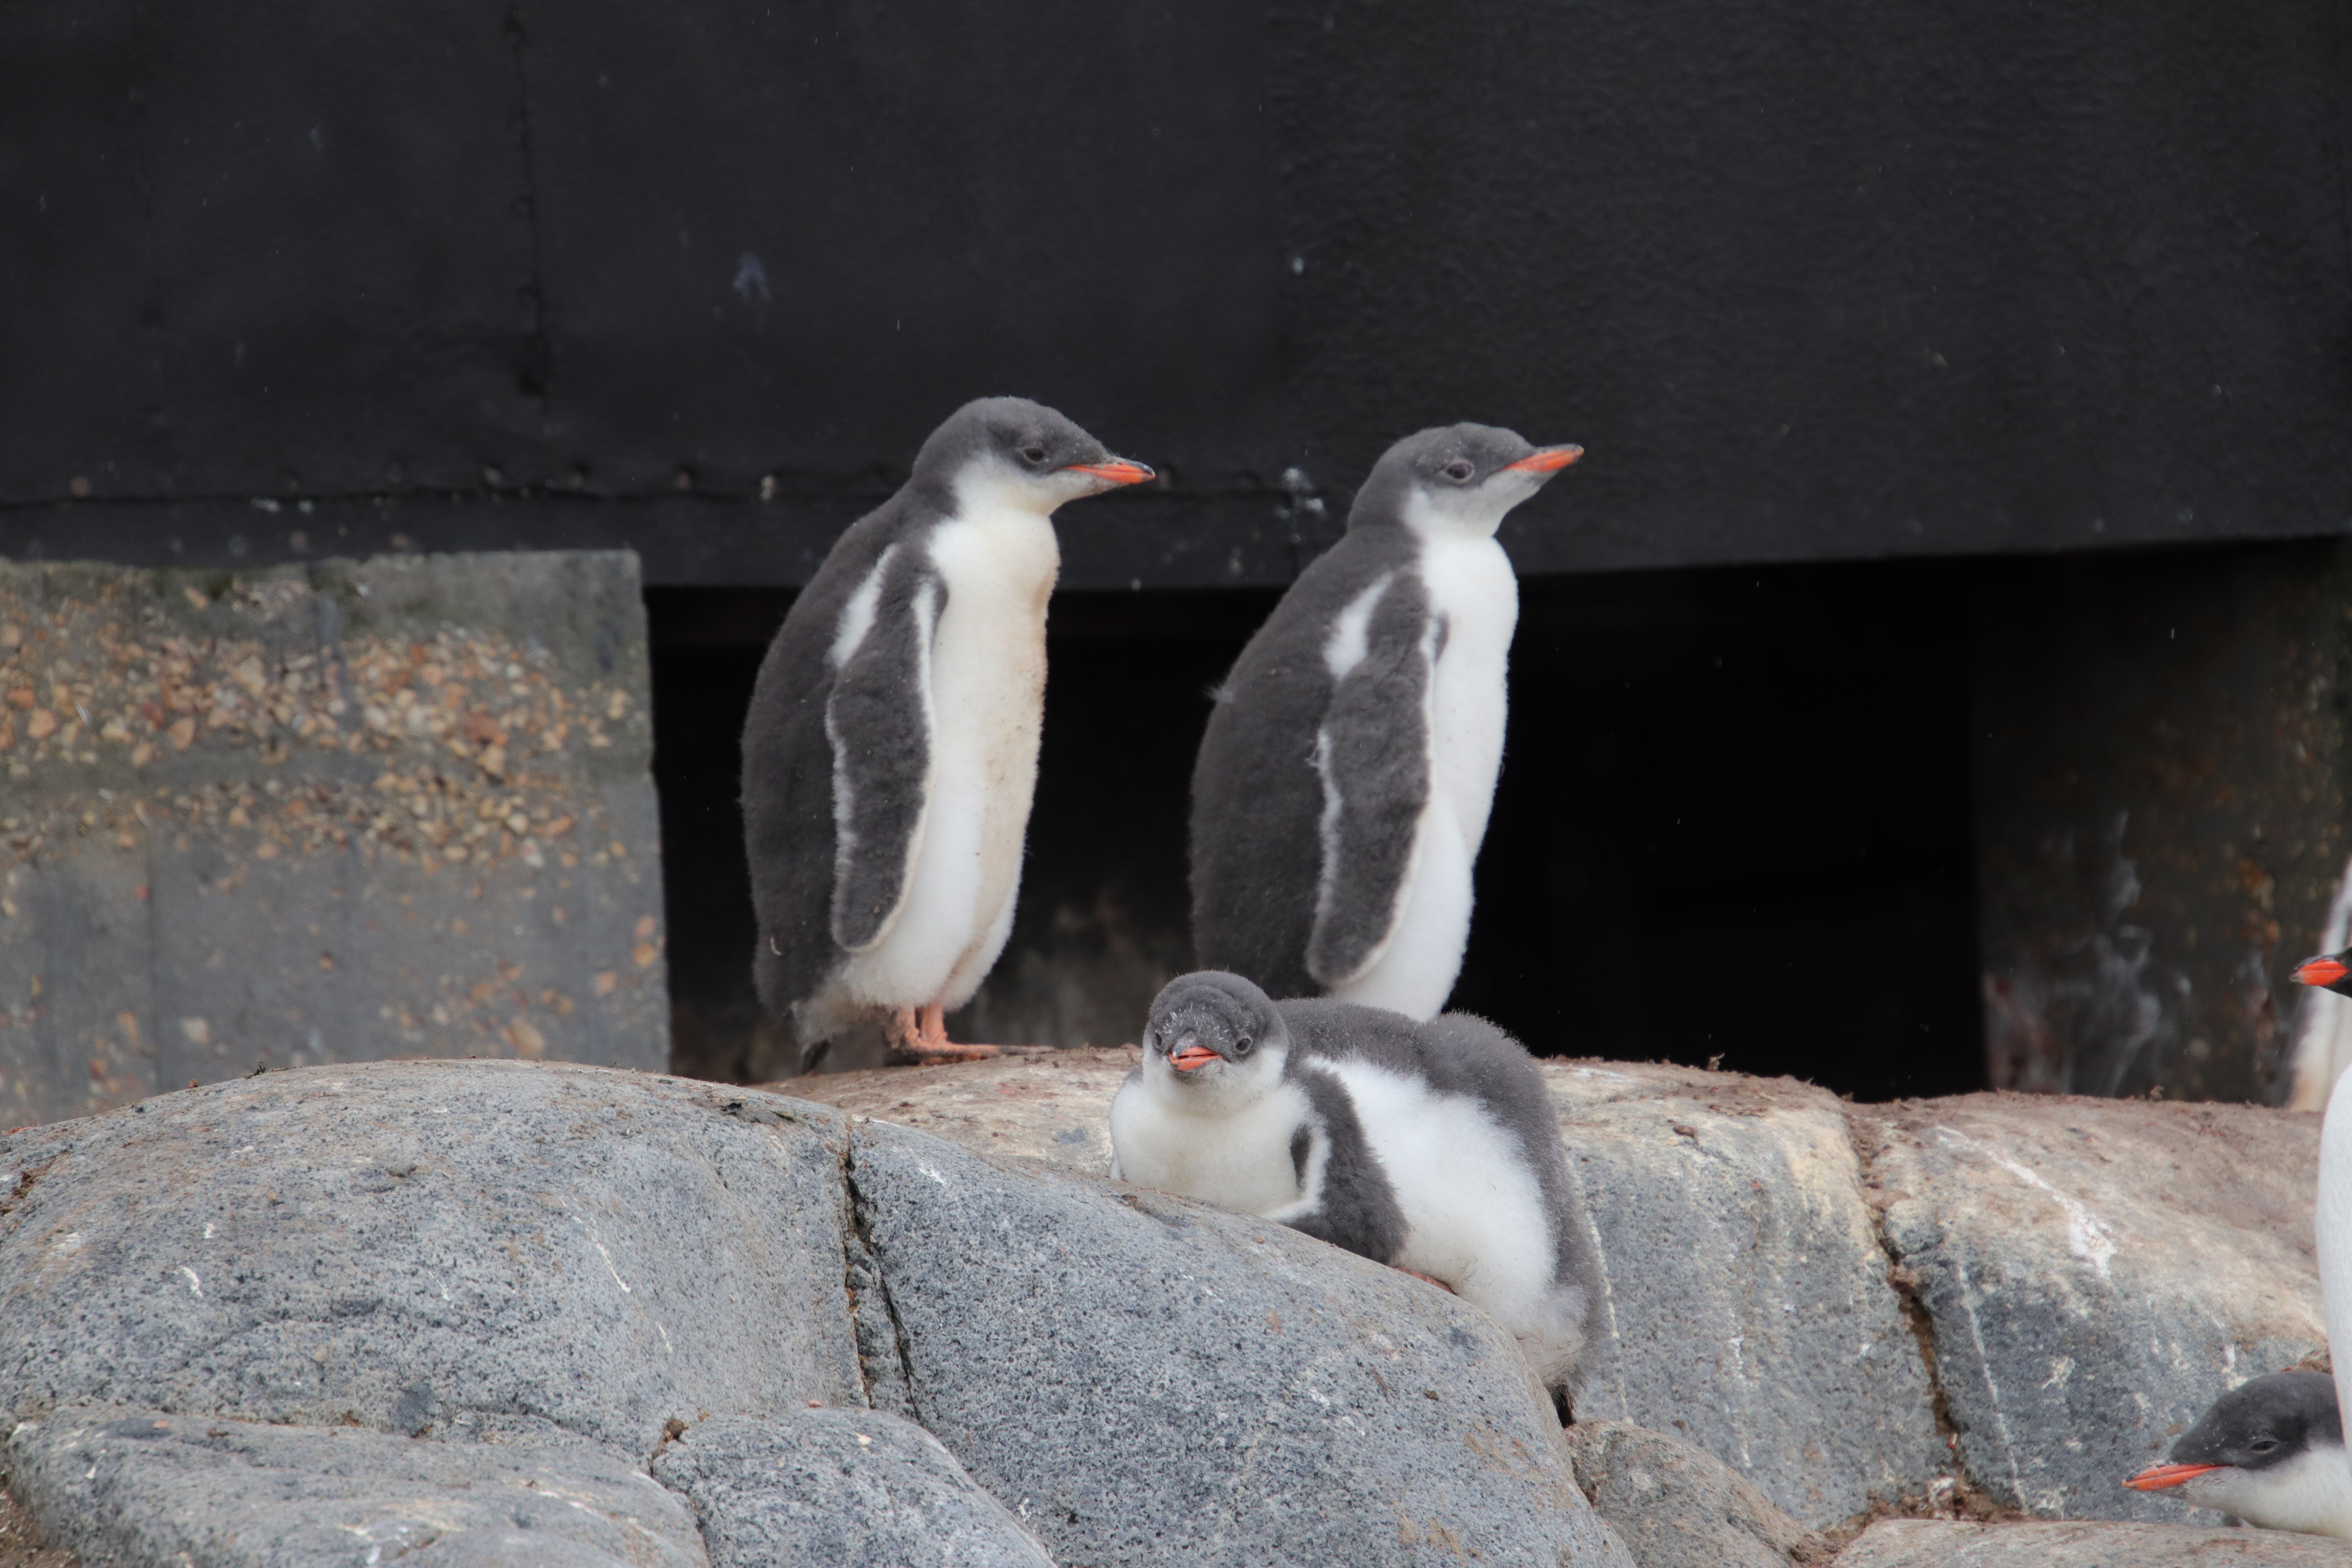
[(392, 808)]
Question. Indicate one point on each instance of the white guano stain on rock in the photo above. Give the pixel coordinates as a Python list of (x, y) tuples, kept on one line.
[(2087, 1236)]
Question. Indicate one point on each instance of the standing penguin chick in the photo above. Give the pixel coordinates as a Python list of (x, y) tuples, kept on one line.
[(1342, 788), (891, 747), (1430, 1146)]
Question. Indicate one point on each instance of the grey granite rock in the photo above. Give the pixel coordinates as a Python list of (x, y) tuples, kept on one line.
[(1147, 1379), (2096, 1271), (848, 1489), (1748, 1309), (1935, 1544), (141, 1488), (454, 1248), (1677, 1505)]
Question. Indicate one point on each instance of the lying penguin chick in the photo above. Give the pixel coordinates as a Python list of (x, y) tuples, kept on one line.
[(1428, 1146), (2270, 1451)]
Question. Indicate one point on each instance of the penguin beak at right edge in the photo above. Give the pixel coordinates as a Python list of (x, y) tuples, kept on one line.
[(1117, 470), (1545, 460), (2319, 971)]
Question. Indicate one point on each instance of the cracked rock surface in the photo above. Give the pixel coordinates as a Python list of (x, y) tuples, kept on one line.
[(849, 1488), (1677, 1505), (2097, 1272), (1854, 1307), (395, 1309)]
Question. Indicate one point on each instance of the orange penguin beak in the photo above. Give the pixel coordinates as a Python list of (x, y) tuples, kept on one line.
[(2319, 971), (2156, 1477), (1118, 471), (1190, 1059), (1545, 460)]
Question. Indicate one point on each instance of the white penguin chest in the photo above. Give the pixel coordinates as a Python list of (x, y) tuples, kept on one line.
[(986, 705), (1470, 583), (1238, 1160)]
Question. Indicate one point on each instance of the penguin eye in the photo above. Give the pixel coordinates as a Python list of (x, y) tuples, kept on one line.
[(1033, 453), (1459, 470), (1242, 1047), (2263, 1445)]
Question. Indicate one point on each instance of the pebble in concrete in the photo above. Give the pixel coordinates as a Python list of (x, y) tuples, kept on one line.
[(399, 807)]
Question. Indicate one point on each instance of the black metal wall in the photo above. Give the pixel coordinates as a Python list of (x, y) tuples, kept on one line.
[(1826, 280)]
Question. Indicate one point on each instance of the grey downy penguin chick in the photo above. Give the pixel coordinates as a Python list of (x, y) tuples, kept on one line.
[(2270, 1451), (891, 747), (1430, 1146), (1343, 786)]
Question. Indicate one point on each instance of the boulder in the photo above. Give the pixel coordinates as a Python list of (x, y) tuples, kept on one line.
[(142, 1486), (1936, 1543), (465, 1249), (1748, 1309), (2088, 1274), (848, 1489), (1143, 1379), (2096, 1273), (1676, 1506), (455, 1264)]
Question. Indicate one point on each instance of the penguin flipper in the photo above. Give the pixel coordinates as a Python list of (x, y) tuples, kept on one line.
[(878, 718), (1349, 1202), (1371, 753)]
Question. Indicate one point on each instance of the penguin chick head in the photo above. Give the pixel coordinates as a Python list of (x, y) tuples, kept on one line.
[(1011, 452), (2263, 1451), (1214, 1040), (1457, 478)]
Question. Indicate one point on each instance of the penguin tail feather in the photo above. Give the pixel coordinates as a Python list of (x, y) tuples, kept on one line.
[(1554, 1343)]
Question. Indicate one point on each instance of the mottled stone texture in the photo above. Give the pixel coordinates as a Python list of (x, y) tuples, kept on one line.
[(140, 1487), (2096, 1274), (1854, 1307), (453, 1250), (1677, 1505), (1931, 1543), (847, 1489), (2160, 779), (1748, 1309), (1147, 1379), (398, 807)]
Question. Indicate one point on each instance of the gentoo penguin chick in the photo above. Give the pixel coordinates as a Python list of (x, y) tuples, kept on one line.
[(2270, 1451), (891, 746), (1342, 788), (1430, 1146)]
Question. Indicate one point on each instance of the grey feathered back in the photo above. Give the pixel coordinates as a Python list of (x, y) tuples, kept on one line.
[(1257, 803), (1458, 1054)]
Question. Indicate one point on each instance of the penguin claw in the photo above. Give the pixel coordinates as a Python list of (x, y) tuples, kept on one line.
[(920, 1039), (1430, 1279)]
